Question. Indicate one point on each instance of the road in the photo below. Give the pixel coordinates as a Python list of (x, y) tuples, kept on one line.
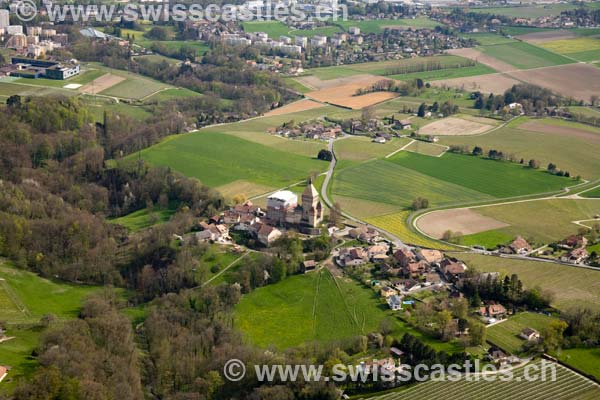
[(395, 239)]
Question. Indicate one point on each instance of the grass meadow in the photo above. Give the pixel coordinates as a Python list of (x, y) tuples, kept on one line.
[(571, 286), (304, 308), (506, 334), (584, 359), (143, 218), (494, 178), (217, 159), (569, 152), (525, 56)]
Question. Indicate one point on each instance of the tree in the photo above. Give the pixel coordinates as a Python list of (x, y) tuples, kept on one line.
[(477, 333), (535, 164), (420, 203), (477, 151), (552, 168), (421, 111), (552, 335), (325, 155)]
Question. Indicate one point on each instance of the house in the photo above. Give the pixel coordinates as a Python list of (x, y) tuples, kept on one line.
[(377, 250), (493, 311), (405, 256), (387, 291), (267, 234), (529, 334), (574, 241), (408, 285), (452, 269), (577, 256), (395, 302), (433, 278), (519, 246), (415, 269), (431, 256), (396, 352), (352, 257), (308, 266), (3, 372), (212, 232), (364, 233), (497, 355), (403, 124)]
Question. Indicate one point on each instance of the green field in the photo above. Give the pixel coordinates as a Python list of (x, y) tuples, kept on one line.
[(569, 152), (143, 218), (496, 179), (171, 94), (391, 183), (506, 334), (426, 148), (273, 28), (378, 26), (542, 221), (567, 386), (304, 308), (386, 68), (571, 286), (488, 239), (361, 148), (582, 48), (8, 88), (216, 159), (525, 56), (594, 193), (486, 39), (527, 11), (585, 360)]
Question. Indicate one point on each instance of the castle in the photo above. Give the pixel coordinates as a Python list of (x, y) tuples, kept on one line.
[(283, 209)]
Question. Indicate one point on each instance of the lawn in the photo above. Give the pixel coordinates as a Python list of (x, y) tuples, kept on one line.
[(27, 88), (506, 334), (488, 239), (447, 73), (396, 224), (304, 308), (525, 56), (542, 221), (566, 386), (273, 28), (571, 153), (494, 178), (144, 218), (585, 360), (594, 193), (571, 286), (217, 159), (170, 94), (134, 86), (395, 184), (426, 148)]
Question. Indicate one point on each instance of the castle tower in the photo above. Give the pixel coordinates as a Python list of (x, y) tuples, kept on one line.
[(312, 209)]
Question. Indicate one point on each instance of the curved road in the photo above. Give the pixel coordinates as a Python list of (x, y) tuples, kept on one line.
[(395, 239)]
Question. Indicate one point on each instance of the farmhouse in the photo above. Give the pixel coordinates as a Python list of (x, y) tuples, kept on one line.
[(405, 256), (519, 246), (308, 266), (453, 269), (403, 124), (352, 257), (574, 241), (430, 256), (376, 250), (576, 256), (268, 234), (364, 234), (529, 334), (213, 232), (415, 269)]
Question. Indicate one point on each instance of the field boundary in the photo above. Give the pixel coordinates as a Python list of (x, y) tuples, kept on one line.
[(14, 298)]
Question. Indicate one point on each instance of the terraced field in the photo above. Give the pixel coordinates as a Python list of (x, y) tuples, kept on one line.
[(506, 334), (566, 386)]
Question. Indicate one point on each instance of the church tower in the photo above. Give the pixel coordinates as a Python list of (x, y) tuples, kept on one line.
[(312, 209)]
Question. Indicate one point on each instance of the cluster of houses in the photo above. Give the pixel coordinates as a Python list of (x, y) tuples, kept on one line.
[(283, 211), (576, 251), (308, 130), (35, 41)]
